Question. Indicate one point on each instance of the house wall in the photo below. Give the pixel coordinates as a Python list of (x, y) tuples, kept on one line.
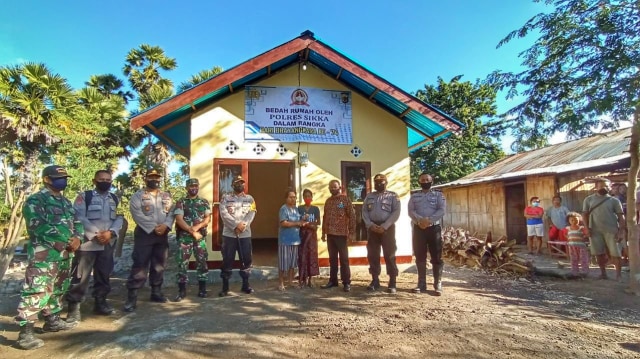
[(381, 137), (478, 208)]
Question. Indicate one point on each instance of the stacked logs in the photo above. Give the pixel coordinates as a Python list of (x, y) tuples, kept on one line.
[(496, 255)]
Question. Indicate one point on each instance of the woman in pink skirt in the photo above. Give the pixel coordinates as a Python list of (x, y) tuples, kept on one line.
[(308, 251)]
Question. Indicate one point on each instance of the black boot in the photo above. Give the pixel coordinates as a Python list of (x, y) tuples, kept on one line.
[(26, 340), (225, 287), (157, 296), (422, 279), (246, 287), (375, 284), (202, 289), (437, 279), (182, 292), (53, 323), (391, 288), (102, 307), (132, 299), (73, 312)]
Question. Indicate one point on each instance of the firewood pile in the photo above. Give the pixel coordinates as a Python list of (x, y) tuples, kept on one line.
[(461, 248)]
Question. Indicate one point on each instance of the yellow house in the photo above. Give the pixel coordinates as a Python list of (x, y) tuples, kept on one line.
[(377, 124)]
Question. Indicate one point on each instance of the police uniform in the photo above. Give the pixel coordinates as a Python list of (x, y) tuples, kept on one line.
[(150, 249), (235, 209), (381, 208), (193, 211), (97, 216), (428, 204), (51, 225)]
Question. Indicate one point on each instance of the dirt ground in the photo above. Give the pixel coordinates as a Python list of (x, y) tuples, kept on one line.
[(479, 316)]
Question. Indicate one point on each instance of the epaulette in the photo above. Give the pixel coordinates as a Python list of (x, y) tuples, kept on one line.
[(416, 191)]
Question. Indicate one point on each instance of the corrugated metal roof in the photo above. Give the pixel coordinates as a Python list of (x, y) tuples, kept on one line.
[(594, 151)]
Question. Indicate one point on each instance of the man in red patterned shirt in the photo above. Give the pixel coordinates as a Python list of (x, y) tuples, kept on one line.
[(338, 225)]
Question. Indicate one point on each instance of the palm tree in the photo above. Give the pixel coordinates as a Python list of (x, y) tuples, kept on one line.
[(199, 78), (142, 68), (35, 111), (109, 85)]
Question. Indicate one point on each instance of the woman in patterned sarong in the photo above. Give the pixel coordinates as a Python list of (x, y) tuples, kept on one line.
[(308, 252)]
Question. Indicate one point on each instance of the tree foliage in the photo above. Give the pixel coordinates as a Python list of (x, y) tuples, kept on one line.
[(198, 78), (458, 155), (581, 74)]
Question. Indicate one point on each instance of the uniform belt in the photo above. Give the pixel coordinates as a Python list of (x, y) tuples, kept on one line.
[(378, 222), (431, 225)]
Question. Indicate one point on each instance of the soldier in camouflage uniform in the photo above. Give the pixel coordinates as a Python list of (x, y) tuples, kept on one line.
[(192, 215), (54, 234)]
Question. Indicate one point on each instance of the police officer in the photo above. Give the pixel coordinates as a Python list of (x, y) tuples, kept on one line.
[(54, 234), (426, 209), (152, 211), (193, 214), (96, 210), (237, 210), (380, 213)]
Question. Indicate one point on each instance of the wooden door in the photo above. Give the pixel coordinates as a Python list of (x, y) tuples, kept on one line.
[(515, 202), (224, 170)]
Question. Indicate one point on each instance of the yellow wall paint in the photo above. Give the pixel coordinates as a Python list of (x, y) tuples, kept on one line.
[(381, 137)]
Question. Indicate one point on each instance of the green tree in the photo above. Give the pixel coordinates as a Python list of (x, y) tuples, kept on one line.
[(142, 68), (582, 74), (109, 85), (199, 78), (458, 155)]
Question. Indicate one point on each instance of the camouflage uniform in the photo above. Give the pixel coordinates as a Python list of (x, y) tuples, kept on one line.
[(50, 224), (194, 211)]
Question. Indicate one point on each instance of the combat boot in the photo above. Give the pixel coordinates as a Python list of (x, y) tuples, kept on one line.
[(132, 299), (73, 312), (157, 296), (422, 279), (26, 340), (374, 285), (437, 279), (246, 287), (202, 289), (102, 307), (225, 288), (391, 288), (182, 292), (53, 323)]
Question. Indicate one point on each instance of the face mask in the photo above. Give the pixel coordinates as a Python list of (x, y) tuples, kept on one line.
[(602, 191), (238, 188), (425, 185), (59, 184), (193, 192), (380, 187), (153, 184), (307, 201), (334, 192), (103, 186), (536, 204)]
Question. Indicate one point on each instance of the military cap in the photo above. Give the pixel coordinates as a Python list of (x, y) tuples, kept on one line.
[(191, 181), (380, 177), (54, 172), (153, 172), (237, 179)]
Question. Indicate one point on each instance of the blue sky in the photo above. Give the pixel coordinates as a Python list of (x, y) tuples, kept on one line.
[(409, 43)]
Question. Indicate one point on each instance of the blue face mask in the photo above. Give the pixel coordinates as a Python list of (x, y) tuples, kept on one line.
[(536, 204), (59, 184)]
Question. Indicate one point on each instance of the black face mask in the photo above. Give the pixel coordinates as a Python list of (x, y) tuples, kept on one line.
[(426, 185), (334, 192), (193, 192), (238, 188), (59, 184), (103, 186), (602, 191), (153, 184), (380, 187)]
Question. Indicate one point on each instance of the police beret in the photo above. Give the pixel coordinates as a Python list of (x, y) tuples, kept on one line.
[(237, 179), (191, 181), (153, 172), (380, 177), (54, 172)]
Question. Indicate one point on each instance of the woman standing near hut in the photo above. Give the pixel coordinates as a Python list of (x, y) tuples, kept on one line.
[(308, 251), (288, 238), (534, 213)]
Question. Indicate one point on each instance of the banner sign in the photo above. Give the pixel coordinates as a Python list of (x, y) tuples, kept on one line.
[(297, 114)]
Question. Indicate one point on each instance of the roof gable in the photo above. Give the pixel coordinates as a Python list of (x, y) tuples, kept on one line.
[(168, 120)]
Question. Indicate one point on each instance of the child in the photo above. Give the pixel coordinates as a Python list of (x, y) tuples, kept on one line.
[(577, 237)]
